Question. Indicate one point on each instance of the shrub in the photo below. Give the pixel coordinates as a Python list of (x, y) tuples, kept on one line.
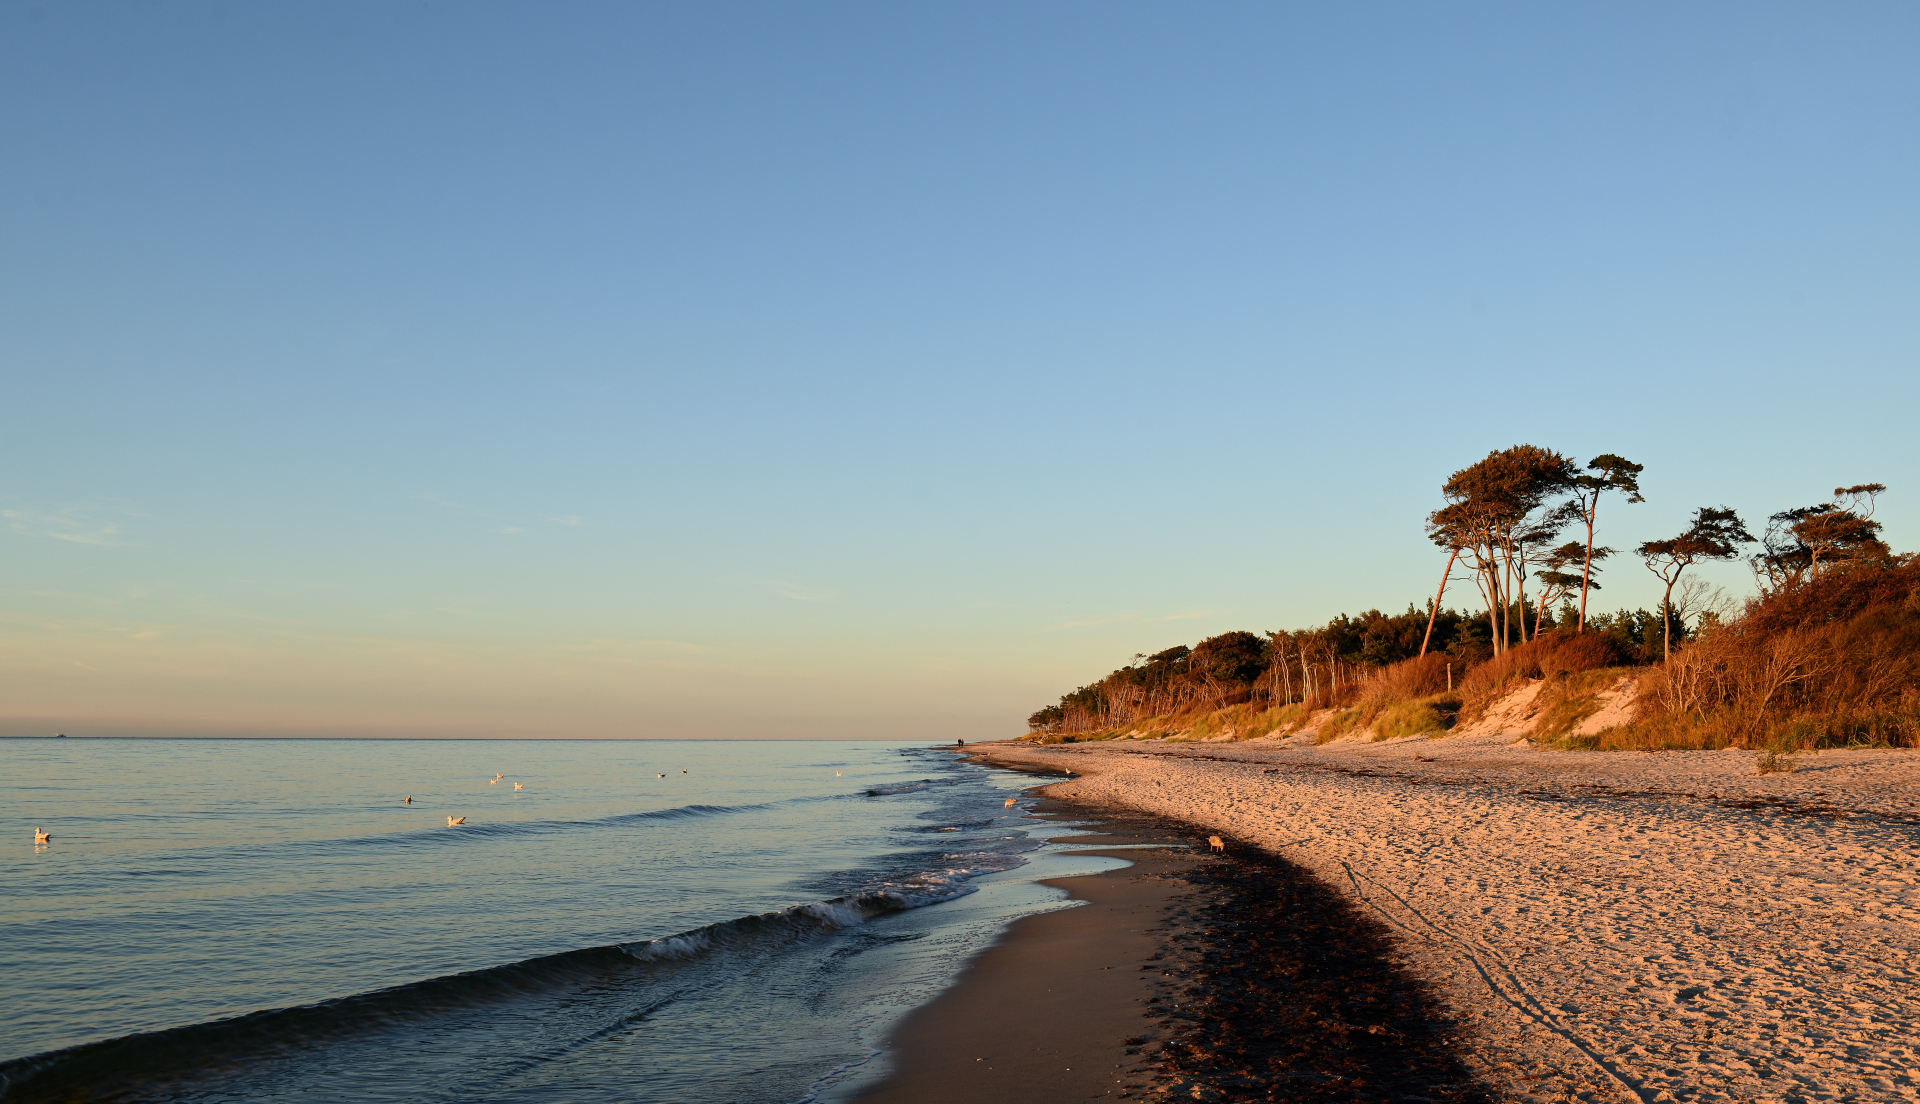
[(1796, 673), (1839, 594), (1548, 656), (1770, 761)]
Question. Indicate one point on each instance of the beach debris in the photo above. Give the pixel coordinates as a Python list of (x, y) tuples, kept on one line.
[(1217, 844), (453, 820), (41, 837)]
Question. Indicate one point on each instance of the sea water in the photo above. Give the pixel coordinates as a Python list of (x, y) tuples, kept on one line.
[(699, 921)]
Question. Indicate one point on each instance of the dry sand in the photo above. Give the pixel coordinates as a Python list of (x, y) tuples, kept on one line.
[(1604, 926)]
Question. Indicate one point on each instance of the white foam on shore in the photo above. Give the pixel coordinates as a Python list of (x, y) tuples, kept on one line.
[(1641, 926)]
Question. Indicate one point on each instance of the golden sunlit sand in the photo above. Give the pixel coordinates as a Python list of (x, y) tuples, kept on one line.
[(1633, 925)]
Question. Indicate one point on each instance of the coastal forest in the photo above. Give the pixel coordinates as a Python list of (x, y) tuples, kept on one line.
[(1826, 652)]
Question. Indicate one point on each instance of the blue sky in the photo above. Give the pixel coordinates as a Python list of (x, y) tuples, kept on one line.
[(881, 370)]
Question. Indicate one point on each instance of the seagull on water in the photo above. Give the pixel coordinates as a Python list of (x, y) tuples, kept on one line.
[(453, 820), (408, 801), (663, 776), (41, 837), (516, 785)]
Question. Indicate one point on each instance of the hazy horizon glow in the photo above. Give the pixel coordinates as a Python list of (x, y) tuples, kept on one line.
[(858, 371)]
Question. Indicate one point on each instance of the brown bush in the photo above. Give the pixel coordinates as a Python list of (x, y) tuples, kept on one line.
[(1547, 656), (1419, 677), (1405, 681), (1834, 662), (1840, 594), (1348, 693)]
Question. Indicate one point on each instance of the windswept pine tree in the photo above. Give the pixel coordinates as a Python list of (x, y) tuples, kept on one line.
[(1604, 473), (1795, 542), (1500, 513), (1716, 533)]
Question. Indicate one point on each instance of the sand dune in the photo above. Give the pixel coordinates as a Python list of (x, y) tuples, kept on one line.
[(1638, 926)]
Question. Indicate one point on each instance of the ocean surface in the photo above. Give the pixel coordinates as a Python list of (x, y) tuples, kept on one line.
[(692, 921)]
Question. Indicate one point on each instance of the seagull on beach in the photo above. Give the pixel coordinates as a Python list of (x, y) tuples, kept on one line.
[(1009, 804), (453, 820), (41, 837)]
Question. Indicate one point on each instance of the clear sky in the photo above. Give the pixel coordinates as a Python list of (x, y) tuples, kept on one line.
[(884, 370)]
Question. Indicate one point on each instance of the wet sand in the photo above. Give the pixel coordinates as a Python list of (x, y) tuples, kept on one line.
[(1186, 976), (1043, 1016)]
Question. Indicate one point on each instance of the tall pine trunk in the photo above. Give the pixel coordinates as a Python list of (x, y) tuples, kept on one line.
[(1444, 576)]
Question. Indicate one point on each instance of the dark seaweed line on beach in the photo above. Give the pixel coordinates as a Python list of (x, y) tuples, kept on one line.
[(1286, 991)]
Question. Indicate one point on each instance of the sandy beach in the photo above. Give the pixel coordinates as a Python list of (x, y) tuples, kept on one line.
[(1044, 1016), (1602, 926), (1189, 975)]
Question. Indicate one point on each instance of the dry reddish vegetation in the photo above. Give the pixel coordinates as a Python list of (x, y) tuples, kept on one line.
[(1549, 656), (1831, 662)]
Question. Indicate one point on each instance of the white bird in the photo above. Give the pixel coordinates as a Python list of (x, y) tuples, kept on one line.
[(683, 772), (408, 801), (663, 776), (837, 774), (1009, 804), (516, 785), (41, 837), (453, 820), (493, 781)]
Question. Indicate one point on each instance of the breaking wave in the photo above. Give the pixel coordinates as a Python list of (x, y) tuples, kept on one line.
[(148, 1060)]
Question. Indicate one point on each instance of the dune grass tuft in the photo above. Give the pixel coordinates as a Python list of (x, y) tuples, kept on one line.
[(1413, 718)]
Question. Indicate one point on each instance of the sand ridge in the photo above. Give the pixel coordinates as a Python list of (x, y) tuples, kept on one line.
[(1620, 926)]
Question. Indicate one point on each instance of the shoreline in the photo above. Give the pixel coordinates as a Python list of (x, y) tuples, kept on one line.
[(1616, 926), (1187, 976), (1043, 1014)]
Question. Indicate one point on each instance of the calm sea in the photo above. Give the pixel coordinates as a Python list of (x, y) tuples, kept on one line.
[(639, 921)]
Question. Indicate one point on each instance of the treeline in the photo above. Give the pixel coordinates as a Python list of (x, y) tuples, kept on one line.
[(1281, 668), (1504, 523)]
